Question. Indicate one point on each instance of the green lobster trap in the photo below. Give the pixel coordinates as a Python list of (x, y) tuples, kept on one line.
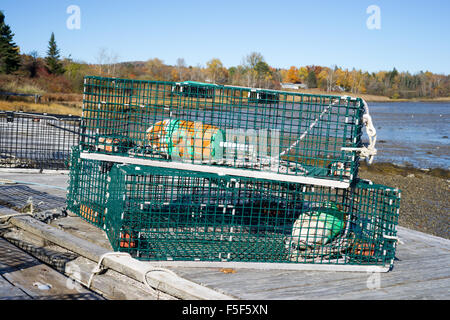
[(237, 131), (171, 215), (197, 172), (86, 194)]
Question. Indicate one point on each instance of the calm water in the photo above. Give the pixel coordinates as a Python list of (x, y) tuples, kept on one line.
[(413, 132)]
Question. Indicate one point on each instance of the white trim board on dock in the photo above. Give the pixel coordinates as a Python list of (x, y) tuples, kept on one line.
[(271, 266)]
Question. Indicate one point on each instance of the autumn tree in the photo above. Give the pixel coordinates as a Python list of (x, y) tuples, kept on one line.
[(342, 78), (276, 78), (232, 71), (331, 78), (75, 73), (197, 73), (9, 51), (52, 60), (101, 59), (322, 79), (216, 71), (263, 73), (157, 70), (390, 76), (31, 64), (303, 74), (311, 80), (130, 70), (253, 59), (180, 69), (107, 62), (237, 76), (292, 75), (249, 63)]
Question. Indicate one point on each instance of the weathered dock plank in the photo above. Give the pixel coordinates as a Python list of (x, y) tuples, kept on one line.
[(34, 279), (11, 292), (81, 229), (111, 285), (137, 270), (421, 271)]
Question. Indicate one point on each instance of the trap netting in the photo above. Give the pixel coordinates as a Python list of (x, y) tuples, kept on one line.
[(238, 131), (86, 193), (40, 141), (170, 214)]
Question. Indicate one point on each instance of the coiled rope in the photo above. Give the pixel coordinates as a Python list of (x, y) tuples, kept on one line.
[(369, 151)]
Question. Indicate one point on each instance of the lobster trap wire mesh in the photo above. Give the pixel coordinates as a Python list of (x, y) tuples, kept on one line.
[(86, 194), (40, 141), (281, 133), (160, 214)]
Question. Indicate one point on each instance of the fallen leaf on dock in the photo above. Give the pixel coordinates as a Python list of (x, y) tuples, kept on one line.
[(227, 270)]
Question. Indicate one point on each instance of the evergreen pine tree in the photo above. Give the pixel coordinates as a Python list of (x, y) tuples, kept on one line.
[(9, 52), (311, 80), (54, 66)]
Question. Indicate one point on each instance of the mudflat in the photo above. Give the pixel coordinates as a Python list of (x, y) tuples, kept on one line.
[(425, 195)]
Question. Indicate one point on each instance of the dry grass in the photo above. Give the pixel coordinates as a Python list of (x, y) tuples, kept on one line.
[(74, 98), (26, 88), (54, 108), (368, 97)]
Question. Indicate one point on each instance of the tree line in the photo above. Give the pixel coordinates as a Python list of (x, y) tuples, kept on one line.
[(57, 74)]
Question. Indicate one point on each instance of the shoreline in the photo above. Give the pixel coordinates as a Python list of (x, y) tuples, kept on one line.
[(71, 103), (424, 204), (403, 170), (74, 108), (368, 97), (435, 100)]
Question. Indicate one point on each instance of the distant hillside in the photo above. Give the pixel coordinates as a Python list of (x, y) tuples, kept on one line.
[(34, 77)]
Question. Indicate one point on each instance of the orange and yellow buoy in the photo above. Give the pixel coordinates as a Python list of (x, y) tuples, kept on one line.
[(187, 140)]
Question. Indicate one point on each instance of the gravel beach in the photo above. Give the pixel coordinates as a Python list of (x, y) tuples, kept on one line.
[(425, 198)]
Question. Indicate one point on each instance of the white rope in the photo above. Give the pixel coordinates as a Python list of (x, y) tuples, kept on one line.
[(395, 238), (367, 152), (99, 268), (303, 135), (152, 269)]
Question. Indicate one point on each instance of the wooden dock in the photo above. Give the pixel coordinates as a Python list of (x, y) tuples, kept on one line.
[(23, 277), (421, 269)]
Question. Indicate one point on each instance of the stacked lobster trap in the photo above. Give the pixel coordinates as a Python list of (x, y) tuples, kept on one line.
[(201, 172)]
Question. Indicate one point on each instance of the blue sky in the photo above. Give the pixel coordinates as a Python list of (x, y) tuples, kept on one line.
[(414, 35)]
